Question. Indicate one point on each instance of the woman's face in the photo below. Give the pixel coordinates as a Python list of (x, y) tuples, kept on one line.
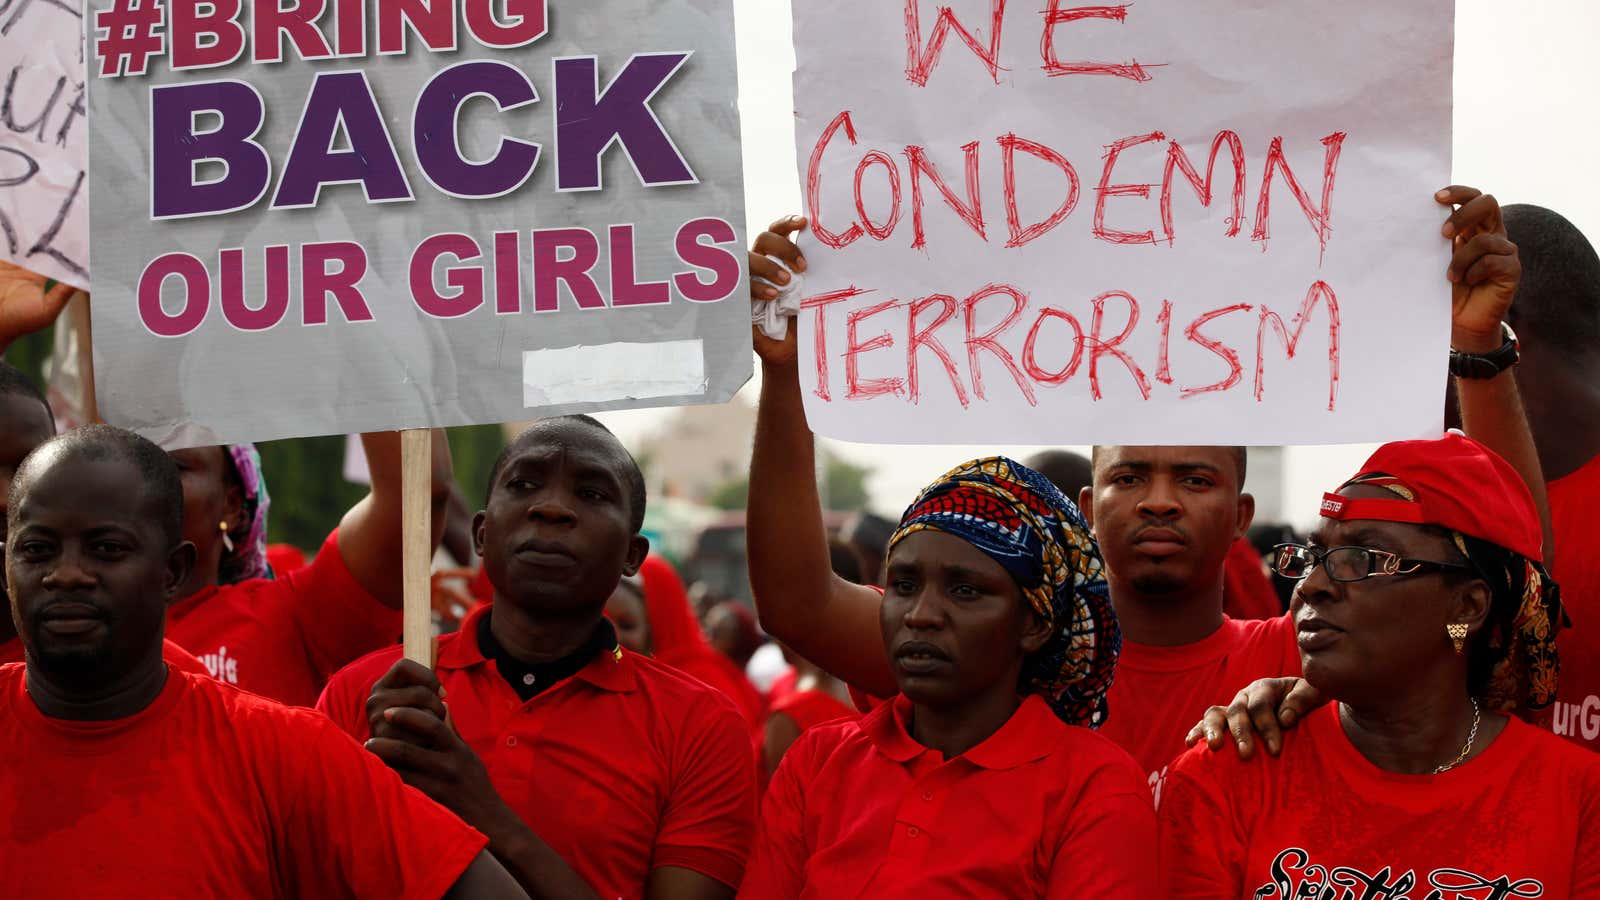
[(1359, 639), (954, 621), (210, 497), (626, 611)]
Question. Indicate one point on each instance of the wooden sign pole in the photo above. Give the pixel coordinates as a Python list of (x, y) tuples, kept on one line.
[(416, 464)]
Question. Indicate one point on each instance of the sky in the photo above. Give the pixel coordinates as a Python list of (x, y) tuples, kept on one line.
[(1525, 130)]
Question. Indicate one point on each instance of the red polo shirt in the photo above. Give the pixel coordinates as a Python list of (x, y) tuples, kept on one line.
[(1520, 819), (1040, 809), (283, 638), (1573, 500), (12, 651), (1161, 692), (624, 768), (210, 792)]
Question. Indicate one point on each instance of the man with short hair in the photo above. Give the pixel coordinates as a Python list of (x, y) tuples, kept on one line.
[(124, 776), (25, 423), (594, 772)]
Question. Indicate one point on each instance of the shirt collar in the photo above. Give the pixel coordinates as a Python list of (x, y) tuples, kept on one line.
[(609, 671), (1032, 733)]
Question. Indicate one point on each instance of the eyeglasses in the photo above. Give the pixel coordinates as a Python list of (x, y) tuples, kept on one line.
[(1348, 564)]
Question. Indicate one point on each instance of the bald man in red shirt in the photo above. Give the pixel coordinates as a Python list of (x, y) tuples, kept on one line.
[(595, 772), (126, 777)]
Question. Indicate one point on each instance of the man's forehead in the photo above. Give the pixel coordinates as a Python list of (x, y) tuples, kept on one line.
[(59, 480), (1211, 457), (582, 445)]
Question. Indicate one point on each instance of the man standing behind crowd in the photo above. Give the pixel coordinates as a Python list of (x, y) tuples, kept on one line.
[(125, 777), (1165, 518), (595, 772)]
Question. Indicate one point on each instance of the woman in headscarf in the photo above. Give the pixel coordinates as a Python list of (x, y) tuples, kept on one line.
[(983, 776), (281, 635), (1425, 615)]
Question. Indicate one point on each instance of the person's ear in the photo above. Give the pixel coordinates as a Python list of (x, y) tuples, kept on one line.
[(1247, 515), (1035, 633), (1472, 605), (1086, 505), (479, 531), (181, 561), (638, 549)]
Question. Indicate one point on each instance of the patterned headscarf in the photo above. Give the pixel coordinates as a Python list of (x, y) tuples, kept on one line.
[(249, 557), (1023, 522)]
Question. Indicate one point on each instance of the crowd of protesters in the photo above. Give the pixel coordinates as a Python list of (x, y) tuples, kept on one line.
[(1063, 677)]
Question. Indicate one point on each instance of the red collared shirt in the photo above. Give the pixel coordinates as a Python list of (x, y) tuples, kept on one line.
[(283, 638), (624, 768), (1520, 819), (210, 792), (180, 659), (1040, 809)]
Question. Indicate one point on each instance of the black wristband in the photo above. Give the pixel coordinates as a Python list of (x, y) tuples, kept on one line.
[(1486, 365)]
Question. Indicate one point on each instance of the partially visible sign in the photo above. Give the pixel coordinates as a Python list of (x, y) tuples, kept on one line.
[(44, 198)]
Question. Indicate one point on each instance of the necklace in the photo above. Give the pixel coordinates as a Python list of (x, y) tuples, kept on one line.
[(1472, 737)]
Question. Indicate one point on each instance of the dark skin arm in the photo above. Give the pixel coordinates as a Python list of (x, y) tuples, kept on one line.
[(1483, 273), (798, 597), (485, 879), (369, 534), (410, 733)]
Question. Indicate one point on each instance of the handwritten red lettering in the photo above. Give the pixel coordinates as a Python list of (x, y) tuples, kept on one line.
[(1320, 217), (1177, 160), (926, 338), (970, 212), (814, 184), (1099, 347), (988, 340), (1319, 291), (879, 158), (1029, 348), (920, 60), (820, 303), (1009, 145), (1163, 359), (1107, 189), (1054, 15), (1235, 370)]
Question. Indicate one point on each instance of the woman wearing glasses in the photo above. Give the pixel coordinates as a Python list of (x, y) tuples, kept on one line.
[(1424, 614)]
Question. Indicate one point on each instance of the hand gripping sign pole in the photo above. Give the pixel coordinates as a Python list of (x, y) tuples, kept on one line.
[(416, 464)]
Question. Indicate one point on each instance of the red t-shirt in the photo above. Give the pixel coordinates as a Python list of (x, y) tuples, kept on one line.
[(283, 638), (210, 792), (1322, 821), (808, 709), (1040, 809), (624, 768), (1573, 501), (1161, 692), (12, 651), (1247, 591)]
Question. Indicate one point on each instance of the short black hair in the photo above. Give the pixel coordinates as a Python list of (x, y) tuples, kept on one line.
[(158, 474), (1068, 471), (1241, 461), (13, 382), (1558, 297), (633, 475)]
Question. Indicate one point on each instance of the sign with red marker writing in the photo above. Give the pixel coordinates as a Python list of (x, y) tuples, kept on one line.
[(1168, 221), (44, 203), (346, 215)]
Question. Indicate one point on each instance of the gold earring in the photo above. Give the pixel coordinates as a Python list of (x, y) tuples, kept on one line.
[(227, 542), (1458, 636)]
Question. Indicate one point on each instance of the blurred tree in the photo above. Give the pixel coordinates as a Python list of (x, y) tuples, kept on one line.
[(31, 352), (732, 495), (846, 485)]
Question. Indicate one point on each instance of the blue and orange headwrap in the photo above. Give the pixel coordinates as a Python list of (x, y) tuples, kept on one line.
[(1023, 522)]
